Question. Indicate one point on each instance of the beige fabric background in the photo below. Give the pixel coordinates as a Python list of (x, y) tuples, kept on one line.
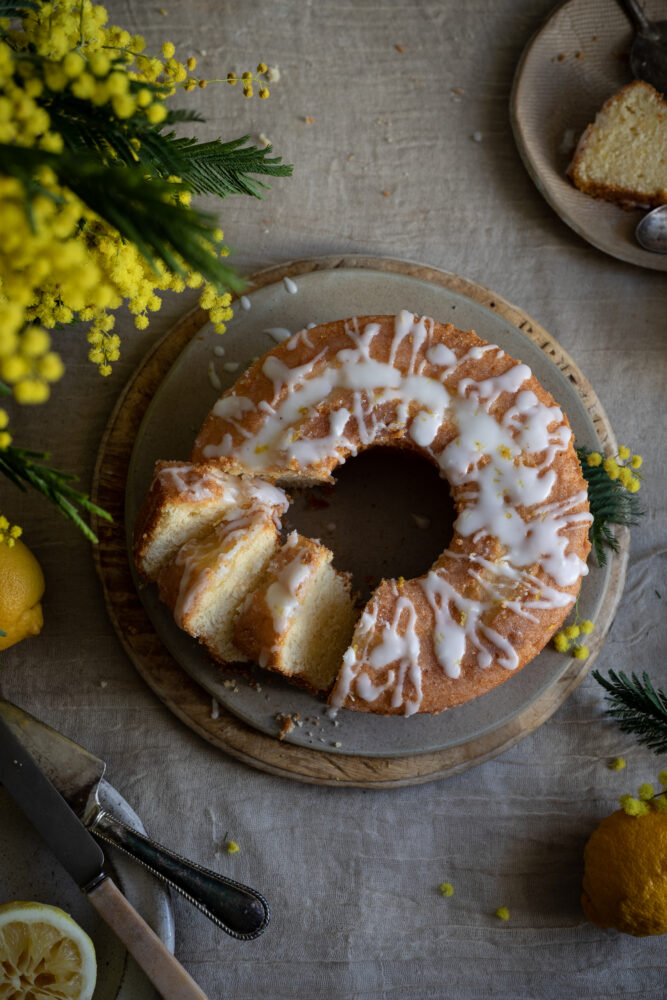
[(352, 875)]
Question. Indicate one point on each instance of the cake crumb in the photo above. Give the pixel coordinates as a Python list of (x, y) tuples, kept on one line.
[(287, 723), (385, 194), (272, 74), (264, 140), (337, 744), (399, 48), (231, 366), (309, 120)]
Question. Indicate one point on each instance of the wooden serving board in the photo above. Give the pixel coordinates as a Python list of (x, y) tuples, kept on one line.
[(184, 696)]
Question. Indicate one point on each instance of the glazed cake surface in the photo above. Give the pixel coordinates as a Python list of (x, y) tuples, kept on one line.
[(512, 571)]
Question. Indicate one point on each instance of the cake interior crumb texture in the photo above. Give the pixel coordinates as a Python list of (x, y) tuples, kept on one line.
[(237, 577), (178, 525), (622, 157), (322, 631), (210, 577)]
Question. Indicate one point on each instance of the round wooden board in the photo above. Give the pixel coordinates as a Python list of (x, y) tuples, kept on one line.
[(190, 702)]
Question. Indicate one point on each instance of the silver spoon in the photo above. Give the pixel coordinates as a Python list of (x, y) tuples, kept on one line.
[(648, 55), (651, 231)]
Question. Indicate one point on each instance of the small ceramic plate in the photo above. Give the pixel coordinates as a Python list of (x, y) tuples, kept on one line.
[(29, 871), (577, 59), (370, 528)]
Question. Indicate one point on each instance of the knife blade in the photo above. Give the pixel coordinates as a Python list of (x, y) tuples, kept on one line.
[(76, 774), (82, 858)]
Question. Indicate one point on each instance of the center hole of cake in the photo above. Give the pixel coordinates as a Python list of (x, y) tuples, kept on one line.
[(389, 514)]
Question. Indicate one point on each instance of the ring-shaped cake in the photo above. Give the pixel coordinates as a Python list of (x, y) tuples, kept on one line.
[(514, 566)]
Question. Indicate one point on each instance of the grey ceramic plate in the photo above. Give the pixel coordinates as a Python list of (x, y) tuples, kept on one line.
[(382, 540), (569, 68), (29, 871)]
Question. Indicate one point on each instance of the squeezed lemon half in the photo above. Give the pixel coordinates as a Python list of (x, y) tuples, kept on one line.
[(44, 954)]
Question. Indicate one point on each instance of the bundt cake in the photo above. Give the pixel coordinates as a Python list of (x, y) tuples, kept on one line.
[(622, 156), (492, 599)]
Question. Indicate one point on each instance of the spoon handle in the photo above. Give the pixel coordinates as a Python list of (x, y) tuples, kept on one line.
[(634, 11)]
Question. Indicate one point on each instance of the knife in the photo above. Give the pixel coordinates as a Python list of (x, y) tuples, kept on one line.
[(76, 774), (83, 859)]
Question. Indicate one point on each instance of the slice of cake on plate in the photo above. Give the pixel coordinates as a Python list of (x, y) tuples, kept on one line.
[(300, 619), (622, 156), (208, 578)]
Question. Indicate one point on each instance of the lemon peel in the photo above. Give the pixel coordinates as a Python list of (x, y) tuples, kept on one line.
[(625, 880), (21, 590)]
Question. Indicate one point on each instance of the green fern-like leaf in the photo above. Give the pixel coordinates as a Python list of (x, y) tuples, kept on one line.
[(610, 503), (639, 708), (224, 168), (219, 168)]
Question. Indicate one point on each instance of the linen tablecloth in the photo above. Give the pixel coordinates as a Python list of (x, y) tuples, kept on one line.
[(395, 115)]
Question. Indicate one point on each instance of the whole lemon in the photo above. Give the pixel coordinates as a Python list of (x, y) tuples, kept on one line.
[(625, 874), (21, 590)]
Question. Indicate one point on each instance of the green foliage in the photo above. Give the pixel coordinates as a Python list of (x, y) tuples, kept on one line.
[(27, 468), (219, 168), (19, 9), (639, 709), (143, 210), (610, 503), (224, 168)]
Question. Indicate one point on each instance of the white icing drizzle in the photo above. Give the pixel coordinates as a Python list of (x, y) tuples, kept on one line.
[(290, 286), (200, 558), (197, 486), (300, 338), (499, 465), (282, 596), (213, 376), (245, 303), (278, 333)]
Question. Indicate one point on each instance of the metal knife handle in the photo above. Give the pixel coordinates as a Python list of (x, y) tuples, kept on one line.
[(164, 971), (237, 909)]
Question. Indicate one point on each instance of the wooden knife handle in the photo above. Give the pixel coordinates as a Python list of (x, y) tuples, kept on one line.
[(164, 971)]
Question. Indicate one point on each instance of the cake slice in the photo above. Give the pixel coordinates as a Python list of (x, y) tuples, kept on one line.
[(208, 578), (300, 618), (622, 156), (185, 500)]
